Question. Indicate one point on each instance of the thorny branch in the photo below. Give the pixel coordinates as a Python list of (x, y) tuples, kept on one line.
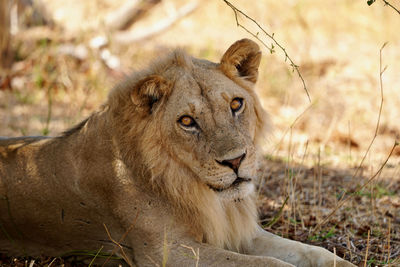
[(271, 36), (390, 5)]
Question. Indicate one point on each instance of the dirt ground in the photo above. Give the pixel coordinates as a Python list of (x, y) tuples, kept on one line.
[(322, 183)]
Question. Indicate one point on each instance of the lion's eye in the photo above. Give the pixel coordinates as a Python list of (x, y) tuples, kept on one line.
[(187, 121), (236, 104)]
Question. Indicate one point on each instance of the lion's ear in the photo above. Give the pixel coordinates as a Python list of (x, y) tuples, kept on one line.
[(149, 91), (242, 59)]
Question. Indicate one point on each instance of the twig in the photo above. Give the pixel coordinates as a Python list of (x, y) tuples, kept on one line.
[(389, 4), (271, 36), (381, 71)]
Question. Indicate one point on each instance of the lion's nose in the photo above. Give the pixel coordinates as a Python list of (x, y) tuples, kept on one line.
[(233, 163)]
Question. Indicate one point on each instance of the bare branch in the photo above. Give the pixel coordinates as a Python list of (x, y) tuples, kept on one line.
[(271, 36), (381, 71), (390, 5)]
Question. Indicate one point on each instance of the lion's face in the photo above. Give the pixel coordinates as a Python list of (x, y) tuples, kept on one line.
[(211, 125), (203, 116)]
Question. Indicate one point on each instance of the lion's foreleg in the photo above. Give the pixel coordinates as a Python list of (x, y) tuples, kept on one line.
[(191, 253), (297, 253)]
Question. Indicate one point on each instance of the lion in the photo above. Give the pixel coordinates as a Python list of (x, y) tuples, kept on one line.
[(162, 173)]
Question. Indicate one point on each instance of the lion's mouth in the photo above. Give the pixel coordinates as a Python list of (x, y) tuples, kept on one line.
[(236, 183)]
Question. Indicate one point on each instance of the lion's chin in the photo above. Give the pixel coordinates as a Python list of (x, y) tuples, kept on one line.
[(238, 190)]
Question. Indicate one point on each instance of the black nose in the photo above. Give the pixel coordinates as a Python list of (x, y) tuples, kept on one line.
[(233, 163)]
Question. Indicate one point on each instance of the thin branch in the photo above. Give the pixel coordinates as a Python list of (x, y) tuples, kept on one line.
[(390, 5), (271, 36), (381, 71)]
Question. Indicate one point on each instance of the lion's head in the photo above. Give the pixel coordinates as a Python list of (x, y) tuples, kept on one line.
[(191, 127)]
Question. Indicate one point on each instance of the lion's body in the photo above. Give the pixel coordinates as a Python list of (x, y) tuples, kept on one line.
[(166, 164)]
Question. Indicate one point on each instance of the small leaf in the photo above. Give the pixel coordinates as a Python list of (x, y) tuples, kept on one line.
[(272, 49), (370, 2)]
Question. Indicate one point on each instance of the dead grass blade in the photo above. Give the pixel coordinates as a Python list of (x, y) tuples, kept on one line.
[(195, 254), (95, 256), (118, 245), (334, 257), (278, 215), (366, 251), (388, 243), (120, 240)]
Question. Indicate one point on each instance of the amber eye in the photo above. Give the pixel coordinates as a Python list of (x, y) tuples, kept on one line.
[(236, 104), (187, 121)]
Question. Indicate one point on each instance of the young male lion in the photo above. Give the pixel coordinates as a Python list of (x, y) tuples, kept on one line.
[(165, 166)]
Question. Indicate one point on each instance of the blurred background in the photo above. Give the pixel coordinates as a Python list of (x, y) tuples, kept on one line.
[(61, 58)]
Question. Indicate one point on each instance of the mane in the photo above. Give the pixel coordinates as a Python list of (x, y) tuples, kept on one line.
[(222, 223)]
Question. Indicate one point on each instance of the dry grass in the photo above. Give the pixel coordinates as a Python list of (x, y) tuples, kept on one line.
[(315, 149)]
